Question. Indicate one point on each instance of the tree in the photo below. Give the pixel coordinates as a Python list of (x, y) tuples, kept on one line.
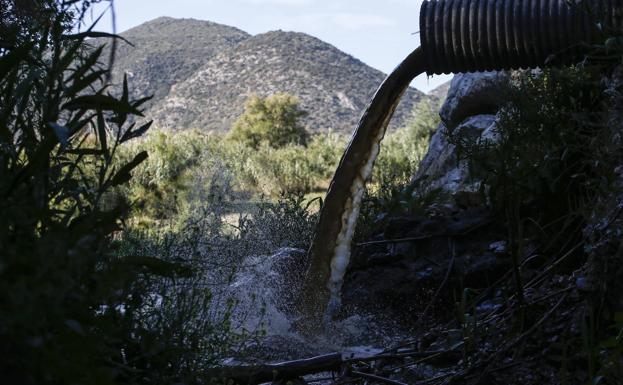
[(274, 120)]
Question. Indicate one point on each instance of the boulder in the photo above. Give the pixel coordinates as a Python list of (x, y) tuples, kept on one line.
[(469, 112), (473, 94)]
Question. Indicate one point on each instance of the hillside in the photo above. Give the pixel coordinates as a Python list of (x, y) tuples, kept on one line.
[(440, 92), (201, 73), (166, 51)]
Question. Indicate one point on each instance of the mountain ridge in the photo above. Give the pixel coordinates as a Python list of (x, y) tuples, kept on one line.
[(201, 73)]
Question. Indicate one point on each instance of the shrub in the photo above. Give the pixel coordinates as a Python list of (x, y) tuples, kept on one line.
[(274, 120), (553, 173), (547, 159), (402, 150), (161, 184), (291, 169)]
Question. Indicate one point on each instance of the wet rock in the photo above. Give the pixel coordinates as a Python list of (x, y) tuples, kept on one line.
[(441, 167)]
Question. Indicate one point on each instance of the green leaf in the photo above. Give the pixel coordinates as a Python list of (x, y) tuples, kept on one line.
[(94, 34), (101, 133), (83, 82), (86, 151), (140, 102), (62, 133), (123, 175), (67, 59), (126, 93), (101, 103), (131, 134), (87, 64)]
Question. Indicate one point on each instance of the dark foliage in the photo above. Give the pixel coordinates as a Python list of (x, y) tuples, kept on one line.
[(552, 172), (71, 311)]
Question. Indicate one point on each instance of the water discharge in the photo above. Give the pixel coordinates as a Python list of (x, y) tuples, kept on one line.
[(329, 254), (264, 288)]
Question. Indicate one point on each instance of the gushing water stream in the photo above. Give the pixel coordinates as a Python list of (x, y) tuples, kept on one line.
[(329, 254), (266, 282)]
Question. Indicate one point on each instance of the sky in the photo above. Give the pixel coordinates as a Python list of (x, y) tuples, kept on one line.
[(381, 33)]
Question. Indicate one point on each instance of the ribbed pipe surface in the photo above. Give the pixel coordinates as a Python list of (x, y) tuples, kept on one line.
[(485, 35)]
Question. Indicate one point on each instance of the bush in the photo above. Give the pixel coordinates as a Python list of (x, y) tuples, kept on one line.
[(292, 169), (74, 309), (161, 184), (185, 168), (274, 120), (547, 159), (553, 175), (403, 150)]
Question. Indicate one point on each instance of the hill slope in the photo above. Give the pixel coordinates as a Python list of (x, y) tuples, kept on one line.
[(166, 51), (201, 73)]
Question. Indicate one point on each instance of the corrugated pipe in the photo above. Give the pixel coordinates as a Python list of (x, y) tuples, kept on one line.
[(484, 35)]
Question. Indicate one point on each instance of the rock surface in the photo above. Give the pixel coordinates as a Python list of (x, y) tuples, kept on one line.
[(469, 111), (473, 94)]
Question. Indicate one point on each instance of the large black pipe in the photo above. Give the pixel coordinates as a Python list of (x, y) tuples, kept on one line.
[(484, 35)]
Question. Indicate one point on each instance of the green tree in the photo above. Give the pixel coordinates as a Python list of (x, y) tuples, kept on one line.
[(274, 120)]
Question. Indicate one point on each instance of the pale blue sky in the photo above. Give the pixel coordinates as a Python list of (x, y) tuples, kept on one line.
[(378, 32)]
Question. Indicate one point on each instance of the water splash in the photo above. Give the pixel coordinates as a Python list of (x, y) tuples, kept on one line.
[(270, 282)]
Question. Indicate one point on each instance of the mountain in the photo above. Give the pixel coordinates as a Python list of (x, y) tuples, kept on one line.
[(201, 73), (440, 92), (166, 51)]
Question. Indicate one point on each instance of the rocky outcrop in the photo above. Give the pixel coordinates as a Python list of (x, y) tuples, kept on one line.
[(473, 94), (469, 111)]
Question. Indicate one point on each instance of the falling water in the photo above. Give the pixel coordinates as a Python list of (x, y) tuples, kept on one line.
[(264, 287), (329, 254)]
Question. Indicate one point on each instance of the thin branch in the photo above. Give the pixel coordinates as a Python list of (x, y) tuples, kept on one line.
[(377, 378)]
